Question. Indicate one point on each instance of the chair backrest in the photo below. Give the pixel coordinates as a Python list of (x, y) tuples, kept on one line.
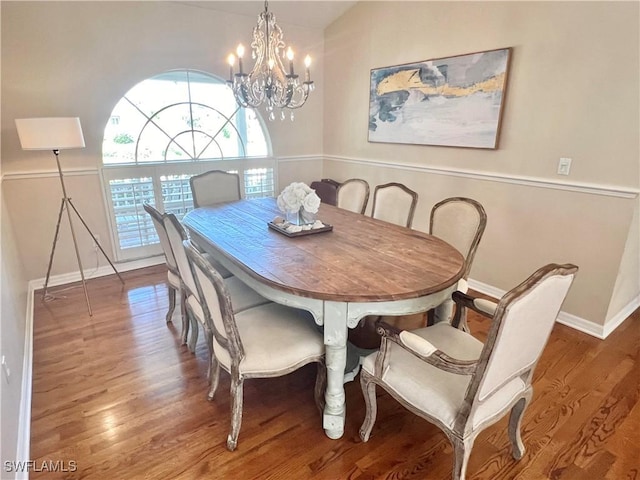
[(394, 203), (177, 234), (460, 222), (326, 189), (216, 304), (353, 195), (520, 329), (158, 223), (214, 187)]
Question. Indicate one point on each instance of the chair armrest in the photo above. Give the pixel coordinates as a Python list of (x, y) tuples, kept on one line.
[(425, 350), (484, 307)]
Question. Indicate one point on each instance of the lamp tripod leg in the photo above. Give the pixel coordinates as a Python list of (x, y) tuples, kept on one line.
[(75, 246), (95, 240), (53, 249)]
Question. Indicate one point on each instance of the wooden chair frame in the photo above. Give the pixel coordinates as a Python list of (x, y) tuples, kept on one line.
[(482, 223), (414, 200), (468, 255), (463, 433), (194, 180), (158, 221), (352, 181), (232, 342)]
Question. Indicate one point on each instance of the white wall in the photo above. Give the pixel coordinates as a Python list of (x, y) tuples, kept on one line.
[(78, 59), (572, 92), (13, 326)]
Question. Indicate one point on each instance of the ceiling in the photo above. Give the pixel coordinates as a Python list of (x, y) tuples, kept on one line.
[(305, 13)]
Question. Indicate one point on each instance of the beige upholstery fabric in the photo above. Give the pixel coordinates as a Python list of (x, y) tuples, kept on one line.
[(428, 388), (265, 341), (460, 222), (353, 195), (394, 204), (275, 339), (173, 279), (521, 340), (244, 296), (456, 223), (438, 393), (214, 187), (173, 275), (459, 384)]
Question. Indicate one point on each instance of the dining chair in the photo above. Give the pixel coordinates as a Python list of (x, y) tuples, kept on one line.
[(215, 186), (454, 381), (326, 189), (394, 203), (173, 276), (269, 340), (244, 296), (460, 222), (353, 195)]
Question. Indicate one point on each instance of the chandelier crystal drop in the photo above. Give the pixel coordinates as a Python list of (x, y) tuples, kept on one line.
[(269, 82)]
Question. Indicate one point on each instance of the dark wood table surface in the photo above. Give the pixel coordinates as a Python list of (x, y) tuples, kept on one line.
[(361, 259)]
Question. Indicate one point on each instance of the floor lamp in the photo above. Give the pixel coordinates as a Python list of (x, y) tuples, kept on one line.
[(55, 134)]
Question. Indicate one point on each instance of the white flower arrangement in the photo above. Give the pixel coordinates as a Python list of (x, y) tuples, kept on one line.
[(298, 195)]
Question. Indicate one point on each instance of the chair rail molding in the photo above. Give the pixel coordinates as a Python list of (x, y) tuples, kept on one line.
[(580, 187), (72, 172)]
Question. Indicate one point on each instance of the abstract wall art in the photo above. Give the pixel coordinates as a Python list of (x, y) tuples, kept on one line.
[(455, 101)]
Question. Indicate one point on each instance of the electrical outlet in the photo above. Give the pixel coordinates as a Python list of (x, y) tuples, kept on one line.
[(564, 166)]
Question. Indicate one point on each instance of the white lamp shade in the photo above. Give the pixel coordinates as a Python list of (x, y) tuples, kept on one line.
[(53, 133)]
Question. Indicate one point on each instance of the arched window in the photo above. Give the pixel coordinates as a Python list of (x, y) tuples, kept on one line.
[(163, 131)]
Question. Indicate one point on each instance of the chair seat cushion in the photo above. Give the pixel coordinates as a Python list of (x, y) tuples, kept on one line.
[(276, 340), (173, 279), (242, 297), (437, 393)]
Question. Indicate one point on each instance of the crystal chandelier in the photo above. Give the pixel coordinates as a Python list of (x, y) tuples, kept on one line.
[(268, 81)]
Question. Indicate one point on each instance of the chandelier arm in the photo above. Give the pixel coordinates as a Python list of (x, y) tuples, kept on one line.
[(268, 82)]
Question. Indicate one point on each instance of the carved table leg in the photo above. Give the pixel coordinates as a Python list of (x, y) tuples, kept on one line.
[(335, 340)]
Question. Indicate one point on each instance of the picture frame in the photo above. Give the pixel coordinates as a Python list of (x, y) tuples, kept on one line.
[(455, 101)]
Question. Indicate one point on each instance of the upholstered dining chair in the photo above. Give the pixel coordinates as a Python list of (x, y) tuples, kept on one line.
[(269, 340), (460, 222), (173, 276), (215, 186), (394, 203), (353, 195), (243, 296), (462, 386)]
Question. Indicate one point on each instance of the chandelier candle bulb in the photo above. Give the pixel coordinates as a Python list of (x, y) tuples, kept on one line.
[(290, 57), (231, 59), (307, 64), (269, 82)]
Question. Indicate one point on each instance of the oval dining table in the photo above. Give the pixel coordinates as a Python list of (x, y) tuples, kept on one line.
[(362, 266)]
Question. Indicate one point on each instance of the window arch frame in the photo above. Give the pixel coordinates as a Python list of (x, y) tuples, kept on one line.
[(165, 182)]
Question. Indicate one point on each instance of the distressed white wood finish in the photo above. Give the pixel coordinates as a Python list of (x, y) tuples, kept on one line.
[(363, 267)]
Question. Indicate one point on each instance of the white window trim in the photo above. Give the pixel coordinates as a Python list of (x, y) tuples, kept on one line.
[(157, 170)]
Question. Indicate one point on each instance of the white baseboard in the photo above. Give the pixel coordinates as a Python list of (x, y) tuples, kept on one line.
[(573, 321), (103, 271)]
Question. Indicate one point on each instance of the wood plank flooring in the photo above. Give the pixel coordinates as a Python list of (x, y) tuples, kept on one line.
[(117, 395)]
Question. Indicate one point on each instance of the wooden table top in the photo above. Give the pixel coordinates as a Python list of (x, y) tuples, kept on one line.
[(360, 260)]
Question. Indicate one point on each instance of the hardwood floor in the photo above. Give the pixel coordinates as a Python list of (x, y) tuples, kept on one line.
[(117, 395)]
